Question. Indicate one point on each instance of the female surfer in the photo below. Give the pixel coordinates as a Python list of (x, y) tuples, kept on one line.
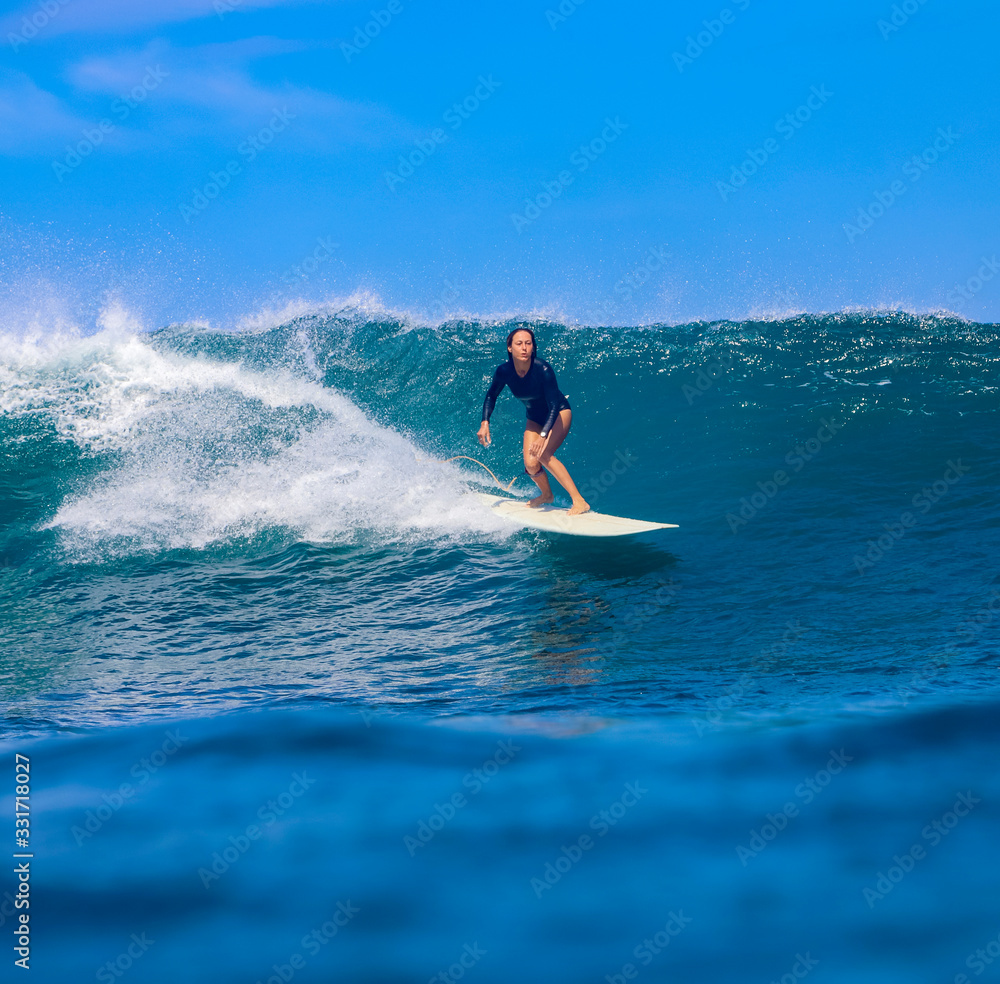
[(533, 382)]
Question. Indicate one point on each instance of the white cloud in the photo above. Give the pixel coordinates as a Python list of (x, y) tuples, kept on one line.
[(116, 74), (209, 89), (115, 16), (31, 118), (204, 93)]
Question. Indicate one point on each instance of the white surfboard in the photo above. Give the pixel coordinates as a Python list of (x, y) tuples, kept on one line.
[(556, 520)]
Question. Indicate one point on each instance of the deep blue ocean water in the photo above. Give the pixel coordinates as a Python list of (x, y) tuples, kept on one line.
[(297, 707)]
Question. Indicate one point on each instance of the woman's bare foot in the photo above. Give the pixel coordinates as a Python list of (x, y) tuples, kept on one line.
[(578, 507), (540, 500)]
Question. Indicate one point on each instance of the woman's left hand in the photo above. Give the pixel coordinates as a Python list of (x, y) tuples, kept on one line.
[(538, 446)]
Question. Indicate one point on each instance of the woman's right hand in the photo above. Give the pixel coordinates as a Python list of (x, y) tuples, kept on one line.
[(484, 434)]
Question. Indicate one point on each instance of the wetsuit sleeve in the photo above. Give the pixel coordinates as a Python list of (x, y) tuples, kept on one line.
[(492, 393), (553, 397)]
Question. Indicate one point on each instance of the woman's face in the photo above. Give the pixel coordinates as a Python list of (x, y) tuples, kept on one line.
[(520, 346)]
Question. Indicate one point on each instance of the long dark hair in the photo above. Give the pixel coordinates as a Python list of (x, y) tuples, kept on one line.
[(534, 344)]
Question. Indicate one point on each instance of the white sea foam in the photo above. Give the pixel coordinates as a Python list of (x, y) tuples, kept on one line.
[(194, 450)]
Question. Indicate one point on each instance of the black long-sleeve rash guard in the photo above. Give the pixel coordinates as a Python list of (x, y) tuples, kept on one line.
[(536, 389)]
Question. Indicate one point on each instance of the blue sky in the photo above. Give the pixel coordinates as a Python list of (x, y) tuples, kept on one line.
[(204, 159)]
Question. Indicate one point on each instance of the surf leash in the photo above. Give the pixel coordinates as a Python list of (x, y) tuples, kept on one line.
[(465, 457)]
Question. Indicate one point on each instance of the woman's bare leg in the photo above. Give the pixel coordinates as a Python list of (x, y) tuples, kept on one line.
[(556, 436), (532, 464)]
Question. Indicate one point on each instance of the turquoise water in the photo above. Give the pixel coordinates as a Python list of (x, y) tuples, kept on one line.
[(237, 573)]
